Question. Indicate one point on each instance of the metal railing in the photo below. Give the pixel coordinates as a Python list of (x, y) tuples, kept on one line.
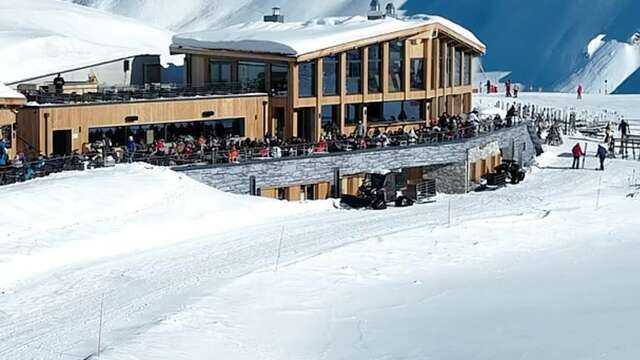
[(216, 156), (136, 93)]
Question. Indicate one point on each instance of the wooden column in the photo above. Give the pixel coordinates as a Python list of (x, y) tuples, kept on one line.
[(343, 89), (385, 69), (407, 69), (319, 97), (428, 59), (365, 72)]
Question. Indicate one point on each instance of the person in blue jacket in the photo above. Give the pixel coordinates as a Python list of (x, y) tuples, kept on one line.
[(602, 155), (131, 149)]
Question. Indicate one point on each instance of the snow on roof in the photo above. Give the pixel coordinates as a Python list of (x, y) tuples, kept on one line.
[(7, 93), (299, 38)]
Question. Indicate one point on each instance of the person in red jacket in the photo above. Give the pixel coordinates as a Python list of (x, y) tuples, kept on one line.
[(577, 154), (580, 90)]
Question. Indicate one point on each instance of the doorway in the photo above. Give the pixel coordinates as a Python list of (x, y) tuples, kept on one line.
[(278, 115), (61, 142)]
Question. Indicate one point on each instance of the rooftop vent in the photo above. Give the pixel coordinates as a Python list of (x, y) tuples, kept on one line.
[(374, 11), (390, 10), (275, 17)]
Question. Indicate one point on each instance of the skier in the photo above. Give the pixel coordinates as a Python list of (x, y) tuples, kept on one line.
[(580, 90), (508, 86), (515, 91), (602, 155), (488, 86), (577, 154)]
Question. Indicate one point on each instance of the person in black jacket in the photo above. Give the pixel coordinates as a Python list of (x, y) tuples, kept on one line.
[(58, 84)]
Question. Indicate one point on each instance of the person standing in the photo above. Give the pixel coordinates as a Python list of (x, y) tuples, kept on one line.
[(488, 86), (579, 91), (58, 84), (131, 149), (508, 87), (602, 155), (624, 131), (361, 130), (516, 89), (577, 154)]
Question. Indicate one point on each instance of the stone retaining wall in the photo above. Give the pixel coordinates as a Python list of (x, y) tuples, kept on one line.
[(319, 168)]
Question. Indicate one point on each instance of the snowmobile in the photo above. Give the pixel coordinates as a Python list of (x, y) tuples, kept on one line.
[(513, 172), (378, 191)]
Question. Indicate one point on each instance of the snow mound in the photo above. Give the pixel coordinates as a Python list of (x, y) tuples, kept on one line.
[(79, 216), (7, 93), (39, 37)]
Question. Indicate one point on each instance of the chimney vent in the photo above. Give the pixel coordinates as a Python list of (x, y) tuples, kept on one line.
[(390, 10), (275, 17), (374, 11)]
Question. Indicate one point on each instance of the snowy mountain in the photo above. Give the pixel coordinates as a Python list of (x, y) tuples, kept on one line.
[(39, 37), (542, 42)]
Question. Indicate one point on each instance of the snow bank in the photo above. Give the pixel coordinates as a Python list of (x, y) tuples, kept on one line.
[(83, 216), (39, 37), (297, 38)]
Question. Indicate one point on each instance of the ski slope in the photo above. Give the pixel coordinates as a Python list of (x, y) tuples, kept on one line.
[(185, 271)]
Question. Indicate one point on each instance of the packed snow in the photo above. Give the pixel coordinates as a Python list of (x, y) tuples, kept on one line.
[(297, 38), (544, 269), (39, 37)]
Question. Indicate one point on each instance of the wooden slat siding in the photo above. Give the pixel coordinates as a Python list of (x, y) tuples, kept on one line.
[(8, 118), (229, 54), (323, 191), (269, 193), (292, 193), (80, 118)]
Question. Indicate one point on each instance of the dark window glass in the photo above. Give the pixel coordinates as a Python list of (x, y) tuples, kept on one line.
[(417, 74), (251, 75), (457, 77), (374, 112), (220, 71), (280, 78), (375, 68), (413, 110), (354, 71), (392, 111), (449, 64), (306, 79), (396, 65), (6, 135), (467, 69), (353, 114), (330, 75), (330, 118)]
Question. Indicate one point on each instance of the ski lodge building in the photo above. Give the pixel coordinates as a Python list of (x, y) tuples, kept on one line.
[(288, 79)]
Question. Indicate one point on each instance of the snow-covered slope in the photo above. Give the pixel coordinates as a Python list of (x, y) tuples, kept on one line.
[(44, 36), (608, 67)]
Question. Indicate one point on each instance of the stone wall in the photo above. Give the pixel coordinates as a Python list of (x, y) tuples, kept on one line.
[(319, 168)]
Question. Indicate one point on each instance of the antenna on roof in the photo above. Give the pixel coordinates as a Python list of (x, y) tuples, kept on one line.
[(374, 11), (275, 17), (390, 10)]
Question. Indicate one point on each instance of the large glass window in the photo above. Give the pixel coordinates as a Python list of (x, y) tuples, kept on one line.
[(306, 79), (396, 65), (467, 69), (251, 75), (280, 78), (354, 71), (449, 65), (417, 74), (375, 68), (330, 75), (396, 111), (457, 77), (330, 118), (353, 114), (220, 71)]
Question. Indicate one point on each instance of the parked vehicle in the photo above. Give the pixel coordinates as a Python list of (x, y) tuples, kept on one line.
[(382, 190)]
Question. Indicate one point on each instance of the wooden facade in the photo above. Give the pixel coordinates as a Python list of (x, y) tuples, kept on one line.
[(39, 124), (443, 54), (8, 110)]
